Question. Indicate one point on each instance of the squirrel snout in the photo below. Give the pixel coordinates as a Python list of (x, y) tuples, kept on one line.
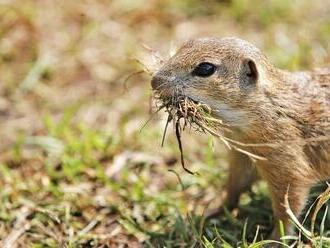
[(157, 81), (161, 80)]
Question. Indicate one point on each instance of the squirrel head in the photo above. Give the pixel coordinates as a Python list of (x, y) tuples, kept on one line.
[(226, 74)]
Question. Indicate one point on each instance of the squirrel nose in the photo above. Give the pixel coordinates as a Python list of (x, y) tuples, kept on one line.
[(156, 81)]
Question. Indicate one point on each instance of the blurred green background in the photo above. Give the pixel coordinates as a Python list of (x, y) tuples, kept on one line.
[(76, 170)]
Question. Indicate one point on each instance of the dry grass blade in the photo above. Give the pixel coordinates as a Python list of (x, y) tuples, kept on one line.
[(22, 224), (322, 199), (169, 118), (294, 219), (131, 75)]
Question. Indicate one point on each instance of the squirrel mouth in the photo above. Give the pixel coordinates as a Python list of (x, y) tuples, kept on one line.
[(180, 107), (181, 102), (194, 114), (184, 111)]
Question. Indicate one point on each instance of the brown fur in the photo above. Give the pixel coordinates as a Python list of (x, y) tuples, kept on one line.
[(285, 108)]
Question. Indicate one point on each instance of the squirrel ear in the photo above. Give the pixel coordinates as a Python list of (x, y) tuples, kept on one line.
[(249, 72)]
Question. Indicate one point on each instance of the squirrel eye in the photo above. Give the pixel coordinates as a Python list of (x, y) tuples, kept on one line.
[(204, 69)]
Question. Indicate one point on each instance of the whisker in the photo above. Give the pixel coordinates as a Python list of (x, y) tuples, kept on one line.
[(151, 117)]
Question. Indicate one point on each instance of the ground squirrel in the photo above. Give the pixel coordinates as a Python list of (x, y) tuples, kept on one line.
[(262, 104)]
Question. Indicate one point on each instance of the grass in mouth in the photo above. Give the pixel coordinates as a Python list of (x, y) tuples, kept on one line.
[(184, 112)]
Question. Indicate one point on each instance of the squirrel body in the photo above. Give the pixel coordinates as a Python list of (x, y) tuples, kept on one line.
[(262, 105)]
